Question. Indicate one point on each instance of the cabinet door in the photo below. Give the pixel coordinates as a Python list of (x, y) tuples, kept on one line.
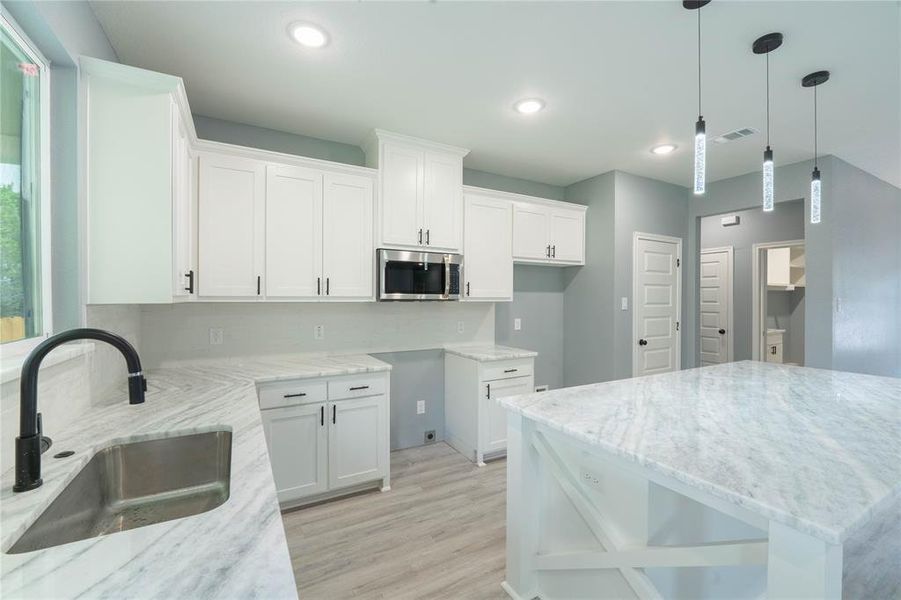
[(297, 439), (488, 249), (358, 438), (493, 417), (442, 207), (348, 254), (293, 231), (778, 266), (567, 235), (184, 213), (231, 223), (530, 231), (401, 172)]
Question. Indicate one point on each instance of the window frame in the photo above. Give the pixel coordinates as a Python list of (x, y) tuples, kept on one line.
[(19, 347)]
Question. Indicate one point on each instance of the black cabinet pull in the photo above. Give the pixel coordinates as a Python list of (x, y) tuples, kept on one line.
[(488, 395), (298, 395), (326, 286), (428, 237), (722, 332), (553, 251), (190, 276), (773, 350), (258, 285), (420, 235), (547, 251), (334, 415), (359, 387), (467, 288), (510, 370), (319, 286), (321, 416), (642, 342)]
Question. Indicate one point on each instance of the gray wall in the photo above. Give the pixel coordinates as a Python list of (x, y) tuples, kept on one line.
[(415, 376), (786, 222), (588, 301), (492, 181), (538, 302), (229, 132), (866, 269), (647, 206)]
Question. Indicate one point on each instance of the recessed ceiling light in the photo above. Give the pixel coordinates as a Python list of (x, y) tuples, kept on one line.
[(308, 35), (663, 149), (529, 106)]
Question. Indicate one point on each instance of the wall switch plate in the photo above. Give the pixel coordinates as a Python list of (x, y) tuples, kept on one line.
[(420, 407), (517, 324), (319, 332), (429, 436), (624, 303), (216, 335), (461, 326)]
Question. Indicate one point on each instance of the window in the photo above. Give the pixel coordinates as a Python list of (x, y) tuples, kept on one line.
[(24, 195)]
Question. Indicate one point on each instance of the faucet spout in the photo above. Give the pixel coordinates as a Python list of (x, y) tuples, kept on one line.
[(28, 443)]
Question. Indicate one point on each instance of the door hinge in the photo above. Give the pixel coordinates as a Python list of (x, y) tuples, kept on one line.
[(678, 262)]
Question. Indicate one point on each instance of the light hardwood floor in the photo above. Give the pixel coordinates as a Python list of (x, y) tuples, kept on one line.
[(439, 533)]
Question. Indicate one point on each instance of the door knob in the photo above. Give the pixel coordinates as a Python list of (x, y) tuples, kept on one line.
[(722, 332), (642, 342)]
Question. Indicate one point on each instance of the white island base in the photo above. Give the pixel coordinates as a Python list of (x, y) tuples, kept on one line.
[(586, 524)]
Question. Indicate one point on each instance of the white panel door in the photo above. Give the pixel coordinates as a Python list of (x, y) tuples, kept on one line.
[(657, 304), (716, 306), (567, 235), (348, 256), (488, 249), (293, 231), (231, 223), (297, 439), (442, 207), (184, 215), (530, 232), (358, 432), (401, 171), (493, 416)]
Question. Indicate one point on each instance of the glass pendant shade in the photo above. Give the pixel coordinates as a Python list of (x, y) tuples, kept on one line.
[(700, 156), (768, 199), (815, 198)]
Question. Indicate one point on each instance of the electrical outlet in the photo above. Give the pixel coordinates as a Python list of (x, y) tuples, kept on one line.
[(420, 407), (461, 326), (429, 436), (591, 479), (216, 335), (517, 324), (319, 332)]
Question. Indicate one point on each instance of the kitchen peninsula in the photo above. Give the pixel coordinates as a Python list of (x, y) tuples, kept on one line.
[(792, 473)]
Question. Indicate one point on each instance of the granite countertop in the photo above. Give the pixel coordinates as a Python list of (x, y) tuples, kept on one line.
[(237, 550), (489, 352), (817, 450)]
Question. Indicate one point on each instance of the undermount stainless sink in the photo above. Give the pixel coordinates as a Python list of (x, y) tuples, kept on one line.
[(127, 486)]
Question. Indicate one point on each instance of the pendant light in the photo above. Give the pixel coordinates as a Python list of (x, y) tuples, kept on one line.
[(764, 45), (813, 80), (700, 171)]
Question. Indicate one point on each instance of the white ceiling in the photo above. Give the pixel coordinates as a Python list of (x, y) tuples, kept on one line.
[(618, 77)]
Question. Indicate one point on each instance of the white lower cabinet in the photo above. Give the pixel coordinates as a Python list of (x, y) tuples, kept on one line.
[(475, 424), (319, 449)]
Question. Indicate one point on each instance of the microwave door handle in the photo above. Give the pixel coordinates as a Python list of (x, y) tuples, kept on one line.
[(447, 277)]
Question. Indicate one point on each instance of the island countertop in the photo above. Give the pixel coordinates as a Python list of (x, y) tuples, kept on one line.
[(237, 550), (814, 449)]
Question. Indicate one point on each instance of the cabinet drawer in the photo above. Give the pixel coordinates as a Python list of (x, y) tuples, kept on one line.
[(356, 387), (290, 393), (506, 369)]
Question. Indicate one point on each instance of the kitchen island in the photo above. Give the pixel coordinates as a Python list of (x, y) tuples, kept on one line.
[(767, 479)]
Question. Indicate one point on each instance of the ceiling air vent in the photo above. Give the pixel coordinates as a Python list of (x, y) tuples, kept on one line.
[(737, 134)]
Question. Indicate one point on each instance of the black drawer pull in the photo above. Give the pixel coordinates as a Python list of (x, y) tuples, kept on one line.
[(510, 370), (298, 395), (359, 387), (488, 395), (334, 414), (322, 415)]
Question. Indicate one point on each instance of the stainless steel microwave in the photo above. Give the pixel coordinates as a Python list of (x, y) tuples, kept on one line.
[(409, 275)]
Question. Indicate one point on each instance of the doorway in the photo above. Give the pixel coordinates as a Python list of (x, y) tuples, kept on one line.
[(657, 298), (716, 328), (779, 281)]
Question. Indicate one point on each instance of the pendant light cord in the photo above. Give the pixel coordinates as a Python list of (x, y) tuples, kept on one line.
[(768, 99), (699, 62), (814, 127)]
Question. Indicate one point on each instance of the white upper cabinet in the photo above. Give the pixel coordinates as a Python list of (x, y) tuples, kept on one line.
[(348, 256), (232, 226), (548, 232), (293, 232), (421, 196), (488, 249), (139, 242)]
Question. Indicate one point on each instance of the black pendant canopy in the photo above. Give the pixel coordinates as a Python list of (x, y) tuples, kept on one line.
[(694, 4), (815, 79), (767, 43)]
